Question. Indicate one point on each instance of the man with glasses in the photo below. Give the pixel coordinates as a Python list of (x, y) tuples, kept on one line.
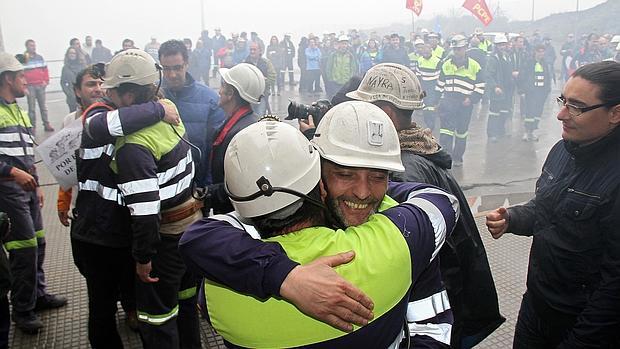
[(197, 104), (573, 284)]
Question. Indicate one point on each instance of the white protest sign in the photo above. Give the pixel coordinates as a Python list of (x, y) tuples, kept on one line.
[(58, 153)]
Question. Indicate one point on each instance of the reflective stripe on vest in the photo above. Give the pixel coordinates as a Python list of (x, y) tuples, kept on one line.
[(382, 258), (461, 79), (539, 75), (159, 139)]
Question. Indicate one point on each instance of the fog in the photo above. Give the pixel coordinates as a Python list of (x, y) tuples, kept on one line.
[(52, 23)]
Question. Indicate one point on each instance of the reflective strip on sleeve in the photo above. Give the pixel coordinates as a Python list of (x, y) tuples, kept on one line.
[(104, 192), (144, 208), (438, 332), (176, 188), (158, 319), (14, 137), (17, 151), (164, 177), (140, 186), (39, 234), (19, 244), (114, 124), (95, 153), (434, 213), (187, 293), (429, 307)]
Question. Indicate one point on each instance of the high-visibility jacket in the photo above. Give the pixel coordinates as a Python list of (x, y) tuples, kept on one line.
[(16, 141), (461, 81)]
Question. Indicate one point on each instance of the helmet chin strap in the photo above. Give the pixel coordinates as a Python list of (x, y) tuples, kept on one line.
[(266, 189)]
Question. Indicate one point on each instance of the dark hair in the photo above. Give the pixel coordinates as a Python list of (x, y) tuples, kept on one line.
[(236, 96), (72, 41), (173, 47), (98, 41), (142, 93), (7, 75), (307, 212), (539, 47), (127, 41), (605, 75), (77, 84), (77, 55), (28, 41)]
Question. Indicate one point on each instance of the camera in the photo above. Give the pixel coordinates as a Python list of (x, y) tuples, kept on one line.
[(301, 111)]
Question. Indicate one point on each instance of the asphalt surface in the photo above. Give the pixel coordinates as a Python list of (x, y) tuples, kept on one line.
[(493, 174)]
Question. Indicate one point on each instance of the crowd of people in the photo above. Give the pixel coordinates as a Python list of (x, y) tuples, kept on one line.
[(188, 196)]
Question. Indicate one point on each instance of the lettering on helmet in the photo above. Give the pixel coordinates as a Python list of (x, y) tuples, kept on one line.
[(375, 133), (381, 82)]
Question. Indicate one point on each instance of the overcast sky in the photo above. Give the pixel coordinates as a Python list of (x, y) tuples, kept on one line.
[(53, 23)]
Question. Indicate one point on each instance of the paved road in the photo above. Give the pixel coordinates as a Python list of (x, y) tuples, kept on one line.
[(493, 174)]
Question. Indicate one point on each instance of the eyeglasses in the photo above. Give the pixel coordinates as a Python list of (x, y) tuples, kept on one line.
[(575, 111), (177, 67)]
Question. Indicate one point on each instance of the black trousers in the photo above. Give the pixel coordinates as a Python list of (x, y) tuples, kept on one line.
[(167, 309), (25, 244), (109, 272), (454, 129)]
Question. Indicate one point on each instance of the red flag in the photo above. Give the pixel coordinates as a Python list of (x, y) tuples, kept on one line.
[(479, 9), (415, 6)]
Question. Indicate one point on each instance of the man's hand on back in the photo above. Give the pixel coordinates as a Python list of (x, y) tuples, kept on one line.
[(321, 293)]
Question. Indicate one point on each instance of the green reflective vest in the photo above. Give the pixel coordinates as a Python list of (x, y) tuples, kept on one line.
[(160, 139), (382, 258)]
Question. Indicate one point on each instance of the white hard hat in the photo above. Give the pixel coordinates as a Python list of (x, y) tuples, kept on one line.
[(8, 62), (458, 41), (359, 134), (615, 39), (343, 38), (424, 31), (131, 66), (418, 42), (478, 31), (247, 79), (392, 83), (618, 47), (277, 152), (500, 39)]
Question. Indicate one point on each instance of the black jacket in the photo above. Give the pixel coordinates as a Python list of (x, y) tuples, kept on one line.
[(574, 268), (216, 195), (464, 266)]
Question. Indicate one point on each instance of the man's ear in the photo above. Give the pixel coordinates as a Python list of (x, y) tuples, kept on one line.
[(322, 190), (614, 117)]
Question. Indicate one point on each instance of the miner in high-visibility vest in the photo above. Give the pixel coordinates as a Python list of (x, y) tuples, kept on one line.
[(461, 85), (22, 198)]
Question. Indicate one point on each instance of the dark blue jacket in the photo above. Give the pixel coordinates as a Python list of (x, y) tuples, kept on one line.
[(199, 110)]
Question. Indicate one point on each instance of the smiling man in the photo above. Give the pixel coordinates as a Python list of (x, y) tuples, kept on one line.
[(573, 283)]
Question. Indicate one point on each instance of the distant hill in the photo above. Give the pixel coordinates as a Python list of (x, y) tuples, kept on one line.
[(600, 19)]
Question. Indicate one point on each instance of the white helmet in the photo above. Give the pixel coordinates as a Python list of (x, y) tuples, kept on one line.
[(343, 38), (359, 134), (131, 66), (269, 154), (8, 62), (615, 39), (418, 42), (392, 83), (247, 79), (500, 39), (458, 41)]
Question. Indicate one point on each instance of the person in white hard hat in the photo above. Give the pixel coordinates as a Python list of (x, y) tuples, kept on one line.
[(501, 86), (154, 171), (426, 162), (101, 233), (278, 193), (22, 199), (242, 86), (461, 85)]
